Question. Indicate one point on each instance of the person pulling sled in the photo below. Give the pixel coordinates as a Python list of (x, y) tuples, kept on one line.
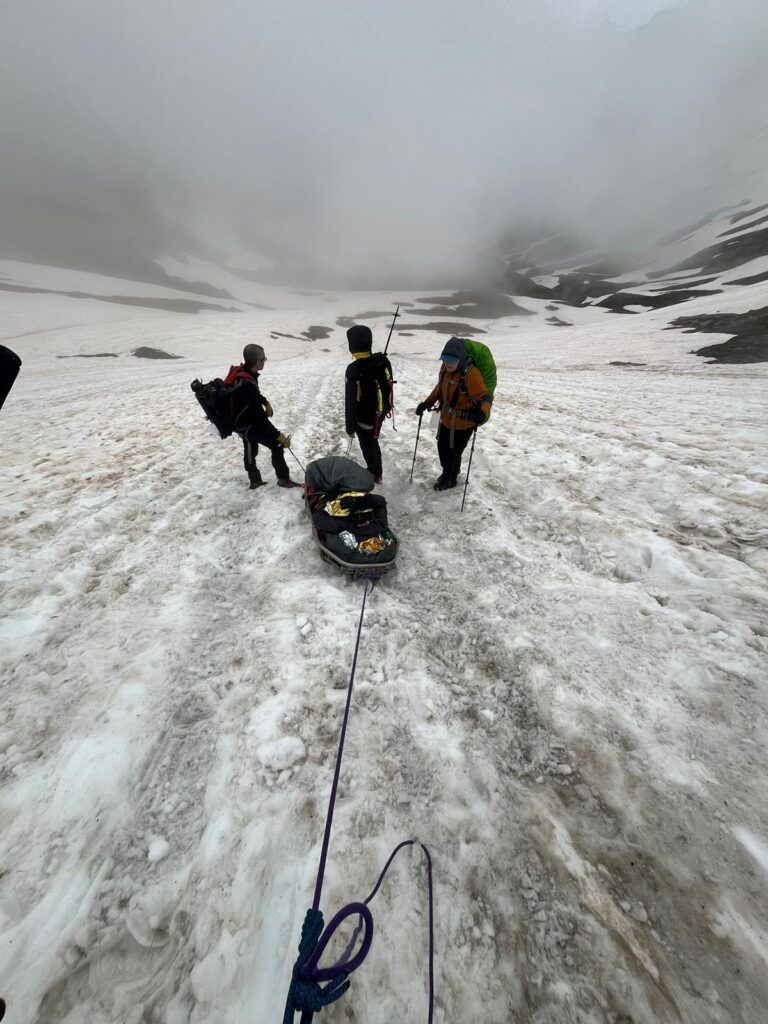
[(251, 414)]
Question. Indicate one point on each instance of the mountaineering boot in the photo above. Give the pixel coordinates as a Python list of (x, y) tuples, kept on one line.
[(254, 475), (378, 479), (288, 483), (441, 484)]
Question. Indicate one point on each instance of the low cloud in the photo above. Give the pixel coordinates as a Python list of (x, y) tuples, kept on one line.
[(376, 141)]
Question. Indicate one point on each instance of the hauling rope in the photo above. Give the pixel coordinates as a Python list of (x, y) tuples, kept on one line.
[(313, 987)]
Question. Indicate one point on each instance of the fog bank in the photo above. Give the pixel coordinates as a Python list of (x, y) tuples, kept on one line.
[(378, 141)]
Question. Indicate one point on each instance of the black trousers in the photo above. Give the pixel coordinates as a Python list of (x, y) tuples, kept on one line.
[(450, 458), (251, 450), (369, 446), (9, 368)]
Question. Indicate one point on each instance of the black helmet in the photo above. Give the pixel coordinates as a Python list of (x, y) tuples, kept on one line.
[(359, 338)]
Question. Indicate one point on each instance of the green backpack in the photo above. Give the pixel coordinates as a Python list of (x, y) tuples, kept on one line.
[(480, 356)]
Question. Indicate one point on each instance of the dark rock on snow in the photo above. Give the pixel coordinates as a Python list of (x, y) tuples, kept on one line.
[(743, 227), (727, 254), (153, 353), (317, 333), (748, 213), (621, 299), (576, 288), (753, 279), (169, 305), (446, 327), (486, 305), (516, 283), (750, 330), (691, 282)]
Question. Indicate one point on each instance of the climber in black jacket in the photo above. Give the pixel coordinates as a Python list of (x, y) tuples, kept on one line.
[(367, 395)]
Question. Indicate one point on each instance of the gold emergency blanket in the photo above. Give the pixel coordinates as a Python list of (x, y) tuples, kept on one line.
[(335, 508), (373, 545)]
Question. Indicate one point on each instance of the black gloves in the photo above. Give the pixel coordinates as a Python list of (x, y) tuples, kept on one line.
[(421, 408)]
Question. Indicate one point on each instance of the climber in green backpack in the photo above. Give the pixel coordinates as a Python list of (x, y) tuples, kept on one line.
[(464, 397)]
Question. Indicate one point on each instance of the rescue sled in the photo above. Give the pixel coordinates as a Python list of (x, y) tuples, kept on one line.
[(349, 522)]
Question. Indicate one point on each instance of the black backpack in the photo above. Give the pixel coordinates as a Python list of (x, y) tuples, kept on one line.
[(217, 402), (385, 391)]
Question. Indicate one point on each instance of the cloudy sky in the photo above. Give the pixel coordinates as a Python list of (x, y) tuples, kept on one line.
[(369, 136)]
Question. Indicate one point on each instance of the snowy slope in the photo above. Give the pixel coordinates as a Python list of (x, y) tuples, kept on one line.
[(720, 255), (562, 691)]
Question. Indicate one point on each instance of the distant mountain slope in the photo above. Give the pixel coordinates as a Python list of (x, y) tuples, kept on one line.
[(723, 250)]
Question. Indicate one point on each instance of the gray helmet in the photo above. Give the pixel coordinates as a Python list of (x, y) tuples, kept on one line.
[(252, 353)]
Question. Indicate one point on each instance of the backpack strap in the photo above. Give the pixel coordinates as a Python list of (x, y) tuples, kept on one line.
[(463, 379), (487, 397), (238, 373)]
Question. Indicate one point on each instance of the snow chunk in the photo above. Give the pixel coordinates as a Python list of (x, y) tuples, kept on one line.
[(216, 972), (281, 753), (158, 848), (753, 845)]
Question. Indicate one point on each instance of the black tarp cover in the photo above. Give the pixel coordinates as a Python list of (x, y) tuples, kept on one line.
[(335, 473)]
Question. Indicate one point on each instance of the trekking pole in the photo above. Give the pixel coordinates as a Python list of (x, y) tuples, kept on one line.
[(397, 314), (410, 480), (349, 447), (469, 467)]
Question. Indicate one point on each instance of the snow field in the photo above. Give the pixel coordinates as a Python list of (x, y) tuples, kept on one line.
[(562, 692)]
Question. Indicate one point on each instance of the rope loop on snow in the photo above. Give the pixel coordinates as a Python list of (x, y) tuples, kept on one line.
[(430, 893)]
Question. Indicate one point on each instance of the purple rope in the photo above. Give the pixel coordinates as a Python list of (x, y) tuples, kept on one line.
[(397, 849), (312, 969), (348, 964), (335, 786)]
